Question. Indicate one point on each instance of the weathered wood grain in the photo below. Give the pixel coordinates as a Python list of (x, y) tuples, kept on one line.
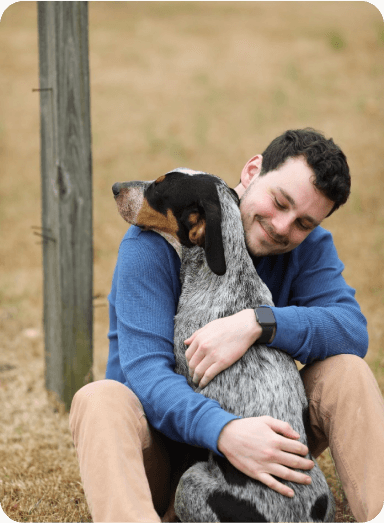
[(66, 168)]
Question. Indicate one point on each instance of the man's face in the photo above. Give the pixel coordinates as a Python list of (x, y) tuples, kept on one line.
[(280, 208)]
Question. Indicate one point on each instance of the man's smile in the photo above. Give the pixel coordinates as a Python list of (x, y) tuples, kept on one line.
[(270, 235)]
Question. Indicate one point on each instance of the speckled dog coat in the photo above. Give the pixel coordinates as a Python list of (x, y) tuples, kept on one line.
[(199, 215)]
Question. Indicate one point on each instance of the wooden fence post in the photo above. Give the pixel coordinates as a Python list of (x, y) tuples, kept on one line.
[(66, 169)]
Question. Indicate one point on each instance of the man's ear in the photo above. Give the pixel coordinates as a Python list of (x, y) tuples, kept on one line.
[(251, 169)]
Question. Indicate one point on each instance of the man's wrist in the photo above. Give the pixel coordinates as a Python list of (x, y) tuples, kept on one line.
[(255, 329), (266, 319), (222, 442)]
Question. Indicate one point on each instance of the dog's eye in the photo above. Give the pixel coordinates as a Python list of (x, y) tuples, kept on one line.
[(151, 189)]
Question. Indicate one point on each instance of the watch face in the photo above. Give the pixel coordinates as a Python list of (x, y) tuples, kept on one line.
[(265, 316)]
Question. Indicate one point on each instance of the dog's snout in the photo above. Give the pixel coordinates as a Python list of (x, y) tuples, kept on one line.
[(116, 188)]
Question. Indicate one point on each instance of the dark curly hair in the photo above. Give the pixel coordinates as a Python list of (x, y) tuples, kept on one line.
[(325, 158)]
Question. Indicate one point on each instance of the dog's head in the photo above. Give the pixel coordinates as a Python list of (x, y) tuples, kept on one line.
[(183, 206)]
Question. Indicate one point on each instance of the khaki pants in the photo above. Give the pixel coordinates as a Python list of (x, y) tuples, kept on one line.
[(126, 465)]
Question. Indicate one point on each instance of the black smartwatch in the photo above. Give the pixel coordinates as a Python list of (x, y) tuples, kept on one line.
[(265, 318)]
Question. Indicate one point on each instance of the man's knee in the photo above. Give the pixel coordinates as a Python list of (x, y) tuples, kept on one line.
[(339, 383), (340, 372), (101, 400), (347, 373), (95, 393), (92, 394), (350, 362)]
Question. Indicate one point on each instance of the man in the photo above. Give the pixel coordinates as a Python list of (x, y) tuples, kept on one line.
[(124, 427)]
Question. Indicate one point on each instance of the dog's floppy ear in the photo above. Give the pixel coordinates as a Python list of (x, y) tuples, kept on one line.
[(214, 248), (204, 223)]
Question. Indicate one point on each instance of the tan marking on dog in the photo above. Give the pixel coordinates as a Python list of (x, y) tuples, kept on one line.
[(197, 233), (160, 179), (151, 219), (193, 218)]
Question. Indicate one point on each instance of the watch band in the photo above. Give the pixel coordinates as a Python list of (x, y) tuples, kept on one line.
[(266, 319)]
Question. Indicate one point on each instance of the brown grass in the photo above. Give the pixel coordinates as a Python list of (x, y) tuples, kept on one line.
[(205, 85)]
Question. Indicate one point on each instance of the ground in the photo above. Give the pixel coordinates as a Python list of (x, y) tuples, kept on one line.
[(205, 85)]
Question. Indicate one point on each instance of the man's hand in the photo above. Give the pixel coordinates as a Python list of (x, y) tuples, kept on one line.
[(220, 343), (265, 447)]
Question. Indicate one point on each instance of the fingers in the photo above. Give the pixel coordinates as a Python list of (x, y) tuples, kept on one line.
[(293, 461), (289, 436), (281, 427), (293, 452), (202, 365), (272, 483), (194, 359), (274, 471), (207, 375), (279, 471), (191, 356), (204, 371), (287, 442), (256, 449), (292, 445), (191, 338)]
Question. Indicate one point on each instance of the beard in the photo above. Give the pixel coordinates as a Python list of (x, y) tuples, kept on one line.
[(275, 244), (256, 242)]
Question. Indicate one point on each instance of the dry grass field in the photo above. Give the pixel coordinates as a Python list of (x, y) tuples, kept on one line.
[(205, 85)]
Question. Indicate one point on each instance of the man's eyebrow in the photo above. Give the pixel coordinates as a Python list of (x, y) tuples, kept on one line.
[(289, 198)]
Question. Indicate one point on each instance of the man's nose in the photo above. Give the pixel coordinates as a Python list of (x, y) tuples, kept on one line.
[(282, 225)]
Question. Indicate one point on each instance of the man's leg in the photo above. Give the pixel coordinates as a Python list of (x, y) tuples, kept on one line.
[(122, 460), (346, 413)]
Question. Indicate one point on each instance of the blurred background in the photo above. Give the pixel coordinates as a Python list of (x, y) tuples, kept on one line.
[(205, 85)]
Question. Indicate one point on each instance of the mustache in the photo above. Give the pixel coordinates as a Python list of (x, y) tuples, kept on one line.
[(278, 238)]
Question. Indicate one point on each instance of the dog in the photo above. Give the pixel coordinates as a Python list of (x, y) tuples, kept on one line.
[(198, 214)]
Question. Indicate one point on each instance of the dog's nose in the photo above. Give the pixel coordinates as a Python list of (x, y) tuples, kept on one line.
[(116, 188)]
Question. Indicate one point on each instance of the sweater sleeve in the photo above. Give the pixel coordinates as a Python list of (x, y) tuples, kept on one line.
[(147, 293), (322, 318)]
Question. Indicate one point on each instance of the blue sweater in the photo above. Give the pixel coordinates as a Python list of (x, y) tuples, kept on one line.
[(316, 313)]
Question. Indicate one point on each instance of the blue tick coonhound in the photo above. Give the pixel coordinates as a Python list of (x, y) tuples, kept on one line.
[(198, 214)]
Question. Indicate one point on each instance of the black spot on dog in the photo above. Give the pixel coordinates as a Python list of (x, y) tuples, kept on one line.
[(231, 474), (319, 509), (308, 429), (305, 415), (228, 508)]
